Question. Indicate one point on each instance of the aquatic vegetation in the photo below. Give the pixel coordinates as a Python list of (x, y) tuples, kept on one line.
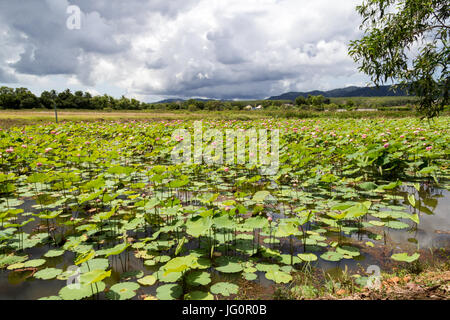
[(107, 199)]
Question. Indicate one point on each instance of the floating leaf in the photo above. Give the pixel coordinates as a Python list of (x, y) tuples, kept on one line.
[(122, 291), (94, 276), (404, 257), (47, 274), (278, 276), (34, 263), (147, 280), (249, 276), (169, 292), (346, 250), (309, 257), (229, 265), (84, 257), (332, 256), (224, 288), (198, 278), (54, 253), (78, 291), (198, 295)]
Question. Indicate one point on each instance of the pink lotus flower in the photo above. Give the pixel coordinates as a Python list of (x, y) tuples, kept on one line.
[(429, 148), (24, 146), (226, 169), (9, 150), (39, 164), (157, 139), (364, 136), (386, 145), (269, 219), (87, 143), (402, 136), (48, 150), (53, 132)]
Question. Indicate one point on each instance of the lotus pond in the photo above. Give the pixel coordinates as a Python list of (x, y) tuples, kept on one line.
[(98, 210)]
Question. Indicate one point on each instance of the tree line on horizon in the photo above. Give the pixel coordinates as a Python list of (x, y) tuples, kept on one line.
[(23, 98)]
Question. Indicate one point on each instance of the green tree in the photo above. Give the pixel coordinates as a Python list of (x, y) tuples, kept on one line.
[(300, 100), (407, 41)]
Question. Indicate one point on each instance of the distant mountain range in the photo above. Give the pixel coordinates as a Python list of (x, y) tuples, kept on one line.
[(381, 91)]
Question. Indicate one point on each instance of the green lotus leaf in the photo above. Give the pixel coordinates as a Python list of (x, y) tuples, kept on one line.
[(278, 276), (78, 291), (11, 259), (16, 266), (83, 257), (404, 257), (94, 264), (94, 276), (169, 292), (350, 251), (229, 265), (147, 280), (308, 257), (249, 276), (224, 288), (34, 263), (260, 196), (198, 278), (132, 274), (47, 274), (198, 295), (332, 256), (54, 253), (162, 276), (180, 264), (396, 225), (265, 267), (197, 227), (122, 291), (286, 230), (118, 249)]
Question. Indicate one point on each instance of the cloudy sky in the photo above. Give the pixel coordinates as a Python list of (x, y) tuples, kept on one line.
[(179, 48)]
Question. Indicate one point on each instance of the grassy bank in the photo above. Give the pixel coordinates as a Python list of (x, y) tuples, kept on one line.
[(23, 117), (418, 281)]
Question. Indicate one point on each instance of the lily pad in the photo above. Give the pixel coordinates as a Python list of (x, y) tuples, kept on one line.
[(54, 253), (147, 280), (250, 276), (47, 274), (198, 295), (278, 276), (404, 257), (122, 291), (224, 288), (308, 257), (198, 278), (169, 292), (79, 291), (34, 263), (332, 256), (347, 250), (229, 265)]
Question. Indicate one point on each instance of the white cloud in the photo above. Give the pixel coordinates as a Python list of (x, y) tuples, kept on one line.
[(207, 48)]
